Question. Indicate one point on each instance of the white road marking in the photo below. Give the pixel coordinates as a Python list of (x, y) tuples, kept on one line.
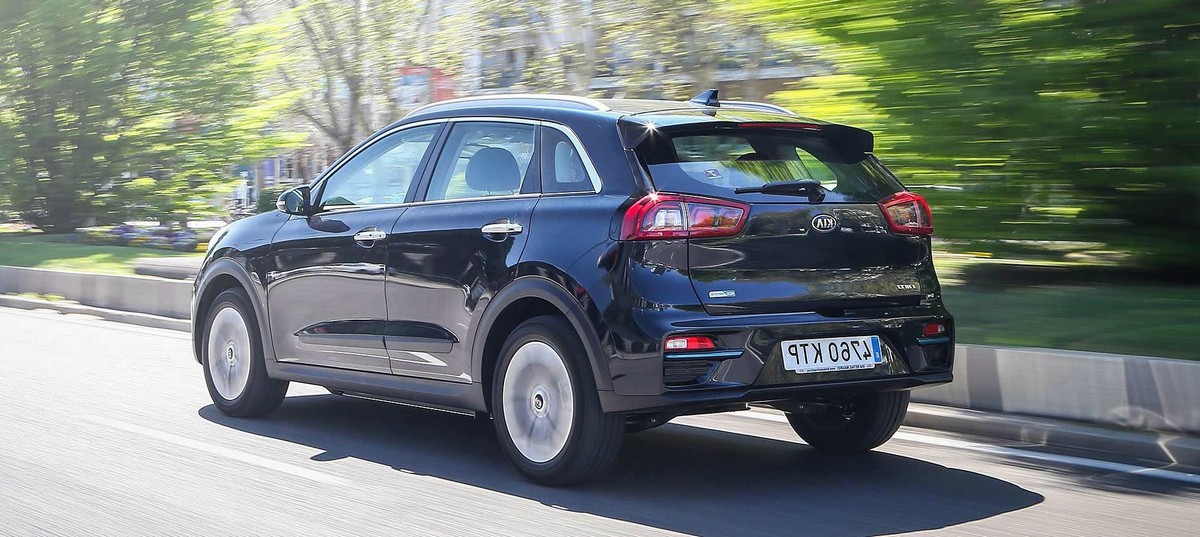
[(220, 451), (1159, 473)]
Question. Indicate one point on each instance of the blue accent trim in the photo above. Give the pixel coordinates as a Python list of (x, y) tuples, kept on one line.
[(933, 340), (702, 355), (875, 349)]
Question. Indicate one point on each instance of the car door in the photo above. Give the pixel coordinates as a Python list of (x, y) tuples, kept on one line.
[(325, 296), (451, 251)]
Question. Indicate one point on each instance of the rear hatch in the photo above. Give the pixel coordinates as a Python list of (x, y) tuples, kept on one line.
[(786, 217)]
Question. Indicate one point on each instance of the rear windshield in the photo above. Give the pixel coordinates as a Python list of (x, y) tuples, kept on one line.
[(716, 162)]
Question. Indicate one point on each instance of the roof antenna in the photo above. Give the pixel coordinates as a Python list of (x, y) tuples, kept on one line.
[(708, 98)]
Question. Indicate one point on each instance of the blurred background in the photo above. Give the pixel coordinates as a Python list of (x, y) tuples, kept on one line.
[(1058, 141)]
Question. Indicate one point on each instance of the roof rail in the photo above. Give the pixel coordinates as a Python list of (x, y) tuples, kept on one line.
[(514, 99)]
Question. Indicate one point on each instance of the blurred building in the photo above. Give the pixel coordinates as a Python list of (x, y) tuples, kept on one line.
[(741, 64)]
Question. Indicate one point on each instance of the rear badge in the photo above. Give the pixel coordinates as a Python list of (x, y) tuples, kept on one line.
[(721, 294), (824, 223), (906, 286)]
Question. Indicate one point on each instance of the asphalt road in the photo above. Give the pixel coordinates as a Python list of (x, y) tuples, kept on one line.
[(107, 429)]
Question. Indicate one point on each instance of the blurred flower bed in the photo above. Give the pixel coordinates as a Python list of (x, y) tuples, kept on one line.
[(157, 237)]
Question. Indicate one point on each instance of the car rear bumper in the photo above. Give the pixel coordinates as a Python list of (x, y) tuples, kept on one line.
[(748, 363), (697, 400)]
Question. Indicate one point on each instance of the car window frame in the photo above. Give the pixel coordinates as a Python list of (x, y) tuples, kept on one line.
[(422, 196), (318, 187), (581, 150), (418, 189), (593, 175), (546, 162)]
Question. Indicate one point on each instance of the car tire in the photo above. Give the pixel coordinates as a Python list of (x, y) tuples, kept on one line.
[(546, 408), (235, 369), (871, 421)]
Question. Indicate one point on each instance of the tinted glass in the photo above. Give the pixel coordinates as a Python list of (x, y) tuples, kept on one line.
[(716, 162), (562, 166), (482, 159), (382, 173)]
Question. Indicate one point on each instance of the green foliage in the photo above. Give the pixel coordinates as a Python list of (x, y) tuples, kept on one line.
[(96, 92), (1057, 120)]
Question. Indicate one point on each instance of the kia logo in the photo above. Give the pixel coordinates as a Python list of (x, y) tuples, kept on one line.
[(824, 223)]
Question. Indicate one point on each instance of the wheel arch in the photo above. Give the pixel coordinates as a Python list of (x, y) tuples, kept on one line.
[(524, 298), (218, 276)]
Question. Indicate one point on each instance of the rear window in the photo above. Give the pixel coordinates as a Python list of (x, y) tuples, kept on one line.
[(718, 161)]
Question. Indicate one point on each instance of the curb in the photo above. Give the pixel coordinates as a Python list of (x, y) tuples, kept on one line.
[(1165, 448), (140, 319)]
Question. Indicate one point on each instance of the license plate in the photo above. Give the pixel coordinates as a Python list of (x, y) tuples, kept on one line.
[(831, 354)]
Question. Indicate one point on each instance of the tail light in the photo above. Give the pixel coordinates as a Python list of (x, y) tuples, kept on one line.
[(933, 330), (907, 213), (671, 216)]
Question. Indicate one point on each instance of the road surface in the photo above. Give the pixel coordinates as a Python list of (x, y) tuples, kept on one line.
[(106, 428)]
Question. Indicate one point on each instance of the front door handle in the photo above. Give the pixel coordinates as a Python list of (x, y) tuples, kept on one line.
[(501, 228), (370, 235)]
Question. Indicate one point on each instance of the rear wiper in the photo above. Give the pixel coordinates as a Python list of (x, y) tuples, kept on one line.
[(812, 187)]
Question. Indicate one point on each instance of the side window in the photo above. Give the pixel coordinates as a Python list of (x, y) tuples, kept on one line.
[(482, 159), (562, 166), (382, 173)]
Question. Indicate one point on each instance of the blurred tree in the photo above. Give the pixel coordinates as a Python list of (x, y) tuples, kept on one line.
[(98, 92), (1077, 119), (345, 56)]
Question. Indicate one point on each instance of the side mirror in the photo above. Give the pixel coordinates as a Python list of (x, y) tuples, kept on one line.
[(294, 201)]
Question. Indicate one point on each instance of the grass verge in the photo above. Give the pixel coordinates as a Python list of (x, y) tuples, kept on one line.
[(1134, 317), (53, 252)]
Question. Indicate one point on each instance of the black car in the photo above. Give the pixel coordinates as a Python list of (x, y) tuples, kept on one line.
[(578, 269)]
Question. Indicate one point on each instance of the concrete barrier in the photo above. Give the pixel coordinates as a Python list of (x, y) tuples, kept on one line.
[(1124, 391), (1134, 392), (154, 296)]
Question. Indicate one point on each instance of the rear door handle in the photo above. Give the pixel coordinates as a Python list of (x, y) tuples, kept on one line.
[(501, 228), (370, 235)]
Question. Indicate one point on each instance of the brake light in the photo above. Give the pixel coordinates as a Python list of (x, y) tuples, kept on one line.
[(933, 329), (907, 213), (689, 343), (780, 125), (671, 216)]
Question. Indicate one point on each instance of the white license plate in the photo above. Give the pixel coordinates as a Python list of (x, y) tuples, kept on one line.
[(831, 354)]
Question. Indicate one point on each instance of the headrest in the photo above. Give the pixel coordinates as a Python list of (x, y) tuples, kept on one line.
[(493, 169)]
